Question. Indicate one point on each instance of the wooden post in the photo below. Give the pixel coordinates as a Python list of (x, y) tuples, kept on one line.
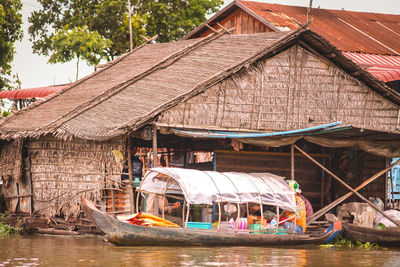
[(386, 186), (155, 157), (113, 201), (347, 186), (322, 185), (292, 161), (130, 187)]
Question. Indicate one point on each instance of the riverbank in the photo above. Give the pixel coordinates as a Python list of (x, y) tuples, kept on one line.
[(28, 224)]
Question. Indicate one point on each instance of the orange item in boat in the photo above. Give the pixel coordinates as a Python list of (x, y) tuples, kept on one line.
[(147, 219)]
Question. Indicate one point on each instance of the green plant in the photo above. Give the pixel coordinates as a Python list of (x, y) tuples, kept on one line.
[(4, 215), (341, 241), (6, 229)]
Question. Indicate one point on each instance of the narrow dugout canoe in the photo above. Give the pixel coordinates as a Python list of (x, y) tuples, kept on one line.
[(124, 234), (389, 237)]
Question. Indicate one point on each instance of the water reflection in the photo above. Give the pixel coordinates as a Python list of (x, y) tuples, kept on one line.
[(68, 251)]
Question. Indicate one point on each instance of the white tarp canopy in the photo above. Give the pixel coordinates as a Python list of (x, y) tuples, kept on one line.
[(206, 187)]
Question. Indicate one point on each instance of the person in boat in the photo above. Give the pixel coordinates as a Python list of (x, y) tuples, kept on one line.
[(137, 167), (309, 209), (295, 222)]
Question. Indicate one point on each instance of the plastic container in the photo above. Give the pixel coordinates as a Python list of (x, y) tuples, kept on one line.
[(255, 228), (199, 225), (242, 223), (275, 232), (136, 182)]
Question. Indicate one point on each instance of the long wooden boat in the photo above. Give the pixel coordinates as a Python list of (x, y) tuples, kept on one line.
[(124, 234), (389, 237)]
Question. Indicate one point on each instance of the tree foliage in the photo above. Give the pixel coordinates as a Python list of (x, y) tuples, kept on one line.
[(10, 32), (79, 43), (170, 20)]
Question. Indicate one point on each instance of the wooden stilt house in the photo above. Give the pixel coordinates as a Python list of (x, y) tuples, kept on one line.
[(245, 98)]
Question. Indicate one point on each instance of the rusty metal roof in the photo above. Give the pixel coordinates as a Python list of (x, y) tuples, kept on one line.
[(360, 32), (385, 68), (32, 92), (350, 31)]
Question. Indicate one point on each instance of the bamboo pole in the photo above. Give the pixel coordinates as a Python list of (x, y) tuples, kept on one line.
[(183, 213), (163, 207), (341, 199), (130, 25), (130, 175), (347, 186), (292, 161), (219, 215), (238, 217), (187, 214)]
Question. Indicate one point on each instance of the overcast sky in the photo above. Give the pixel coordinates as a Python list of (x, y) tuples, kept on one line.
[(34, 71)]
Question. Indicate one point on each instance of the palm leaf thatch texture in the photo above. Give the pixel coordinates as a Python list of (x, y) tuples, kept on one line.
[(268, 81), (139, 86)]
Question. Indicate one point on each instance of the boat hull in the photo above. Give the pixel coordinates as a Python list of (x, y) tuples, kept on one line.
[(389, 237), (124, 234)]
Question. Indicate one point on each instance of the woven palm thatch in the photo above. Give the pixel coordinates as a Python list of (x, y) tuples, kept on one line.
[(10, 161), (64, 172), (292, 90), (139, 87)]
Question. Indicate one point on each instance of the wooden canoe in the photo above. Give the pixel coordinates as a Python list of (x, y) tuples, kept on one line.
[(389, 237), (124, 234)]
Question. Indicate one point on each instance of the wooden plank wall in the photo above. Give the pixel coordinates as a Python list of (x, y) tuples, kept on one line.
[(356, 173), (307, 174), (243, 23)]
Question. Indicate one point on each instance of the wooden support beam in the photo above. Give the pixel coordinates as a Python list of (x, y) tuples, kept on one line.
[(148, 40), (211, 28), (347, 186), (225, 29), (322, 211)]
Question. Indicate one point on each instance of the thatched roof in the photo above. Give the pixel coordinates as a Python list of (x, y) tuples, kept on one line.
[(136, 88)]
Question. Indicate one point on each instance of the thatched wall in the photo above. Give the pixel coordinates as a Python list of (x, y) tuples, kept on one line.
[(10, 161), (294, 89), (65, 171), (10, 172)]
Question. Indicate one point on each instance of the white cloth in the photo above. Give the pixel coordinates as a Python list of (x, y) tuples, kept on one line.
[(206, 187)]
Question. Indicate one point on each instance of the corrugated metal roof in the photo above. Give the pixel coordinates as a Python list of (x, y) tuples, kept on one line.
[(385, 68), (31, 92), (350, 31)]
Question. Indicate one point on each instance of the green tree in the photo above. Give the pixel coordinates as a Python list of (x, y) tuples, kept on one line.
[(10, 32), (79, 43), (170, 20)]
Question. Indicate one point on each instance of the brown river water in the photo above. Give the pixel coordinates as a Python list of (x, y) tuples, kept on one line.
[(72, 251)]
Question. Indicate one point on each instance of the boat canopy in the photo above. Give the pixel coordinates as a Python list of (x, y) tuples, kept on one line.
[(206, 187)]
